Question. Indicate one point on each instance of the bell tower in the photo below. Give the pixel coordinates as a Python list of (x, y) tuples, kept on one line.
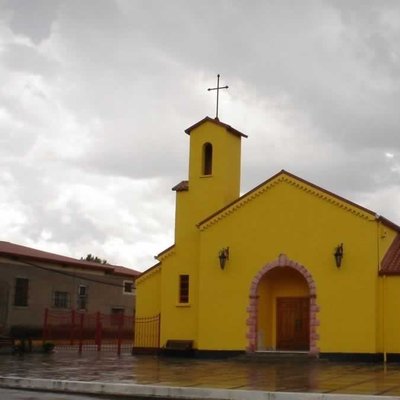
[(214, 173)]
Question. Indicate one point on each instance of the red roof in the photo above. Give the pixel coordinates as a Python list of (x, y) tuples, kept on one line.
[(391, 262), (120, 270), (217, 122), (17, 251), (181, 186)]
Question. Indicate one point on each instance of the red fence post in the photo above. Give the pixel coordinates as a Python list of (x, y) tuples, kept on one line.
[(72, 331), (81, 332), (45, 323), (98, 331), (79, 328), (120, 324)]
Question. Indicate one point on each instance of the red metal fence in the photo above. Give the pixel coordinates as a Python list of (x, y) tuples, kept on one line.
[(81, 329)]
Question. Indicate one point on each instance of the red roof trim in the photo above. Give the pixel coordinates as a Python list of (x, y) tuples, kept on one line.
[(331, 193), (389, 224), (217, 122), (182, 186), (124, 271)]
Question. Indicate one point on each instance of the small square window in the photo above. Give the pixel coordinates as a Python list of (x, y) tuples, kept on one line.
[(82, 291), (61, 299), (128, 287)]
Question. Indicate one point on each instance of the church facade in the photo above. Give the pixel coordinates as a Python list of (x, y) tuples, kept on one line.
[(288, 266)]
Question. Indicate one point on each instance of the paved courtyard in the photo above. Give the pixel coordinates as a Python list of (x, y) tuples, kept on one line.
[(284, 375)]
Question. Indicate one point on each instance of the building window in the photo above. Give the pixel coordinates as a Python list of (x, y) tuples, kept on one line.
[(207, 158), (21, 292), (128, 287), (183, 289), (117, 316), (61, 299), (82, 297)]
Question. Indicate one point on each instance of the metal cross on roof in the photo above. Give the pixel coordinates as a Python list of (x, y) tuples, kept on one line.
[(218, 89)]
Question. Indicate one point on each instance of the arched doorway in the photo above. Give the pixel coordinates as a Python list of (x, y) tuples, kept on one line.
[(282, 308)]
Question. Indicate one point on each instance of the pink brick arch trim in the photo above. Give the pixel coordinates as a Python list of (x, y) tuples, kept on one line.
[(281, 261)]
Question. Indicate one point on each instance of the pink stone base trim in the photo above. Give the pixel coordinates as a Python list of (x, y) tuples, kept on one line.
[(252, 309)]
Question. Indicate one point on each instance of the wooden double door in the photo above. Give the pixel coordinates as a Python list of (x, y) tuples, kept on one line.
[(293, 323)]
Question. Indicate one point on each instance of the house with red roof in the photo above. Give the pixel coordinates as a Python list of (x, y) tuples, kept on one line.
[(32, 281)]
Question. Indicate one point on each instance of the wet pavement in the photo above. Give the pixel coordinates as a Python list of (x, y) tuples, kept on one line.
[(275, 374)]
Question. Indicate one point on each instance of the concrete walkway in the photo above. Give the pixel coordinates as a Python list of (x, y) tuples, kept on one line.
[(236, 378)]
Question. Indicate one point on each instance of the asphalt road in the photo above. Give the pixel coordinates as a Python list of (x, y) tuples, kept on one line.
[(12, 394)]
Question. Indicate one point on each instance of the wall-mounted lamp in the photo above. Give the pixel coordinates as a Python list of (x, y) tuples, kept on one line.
[(223, 256), (339, 255)]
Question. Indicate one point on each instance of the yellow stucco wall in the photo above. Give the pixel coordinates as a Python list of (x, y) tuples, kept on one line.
[(148, 289), (287, 216), (148, 305), (305, 225), (179, 321)]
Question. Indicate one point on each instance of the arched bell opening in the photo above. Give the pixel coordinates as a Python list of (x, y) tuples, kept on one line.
[(207, 159)]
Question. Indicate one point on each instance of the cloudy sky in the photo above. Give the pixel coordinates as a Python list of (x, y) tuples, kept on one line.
[(95, 96)]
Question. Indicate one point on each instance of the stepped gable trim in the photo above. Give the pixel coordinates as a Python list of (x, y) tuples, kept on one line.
[(149, 272), (182, 186), (390, 264), (18, 252), (160, 257), (217, 122), (164, 252), (302, 184)]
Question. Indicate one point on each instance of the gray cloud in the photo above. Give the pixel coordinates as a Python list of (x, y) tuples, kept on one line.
[(23, 58), (32, 18), (95, 96)]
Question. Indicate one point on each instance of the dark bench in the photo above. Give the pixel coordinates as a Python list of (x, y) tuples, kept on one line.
[(6, 341), (178, 347), (183, 345), (17, 344)]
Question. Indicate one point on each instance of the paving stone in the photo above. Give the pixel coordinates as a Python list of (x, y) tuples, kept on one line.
[(313, 377)]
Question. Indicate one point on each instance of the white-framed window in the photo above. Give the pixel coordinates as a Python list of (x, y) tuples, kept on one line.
[(128, 287), (82, 297), (61, 299)]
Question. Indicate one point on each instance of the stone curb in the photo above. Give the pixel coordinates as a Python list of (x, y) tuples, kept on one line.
[(168, 392)]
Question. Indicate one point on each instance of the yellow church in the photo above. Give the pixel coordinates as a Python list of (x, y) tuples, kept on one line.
[(288, 266)]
